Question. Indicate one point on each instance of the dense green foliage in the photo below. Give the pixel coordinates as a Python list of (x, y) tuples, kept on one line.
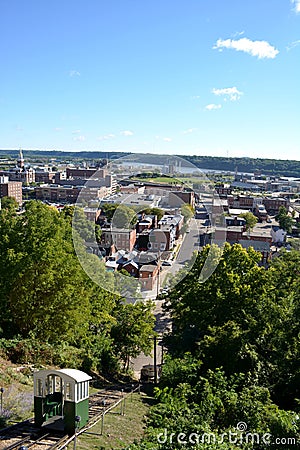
[(251, 220), (51, 312), (121, 216), (285, 221), (187, 212), (154, 211), (233, 356)]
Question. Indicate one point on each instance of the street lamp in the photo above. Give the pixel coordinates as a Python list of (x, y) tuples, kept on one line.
[(1, 399)]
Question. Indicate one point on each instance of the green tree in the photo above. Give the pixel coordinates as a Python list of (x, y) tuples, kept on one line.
[(295, 242), (233, 353), (251, 220), (9, 203), (234, 319), (109, 210), (133, 332), (211, 405), (48, 295), (187, 212), (124, 217), (285, 221), (120, 215), (11, 263), (284, 340), (155, 211)]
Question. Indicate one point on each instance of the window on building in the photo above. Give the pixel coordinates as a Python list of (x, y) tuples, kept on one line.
[(68, 391), (57, 384), (39, 387), (51, 384)]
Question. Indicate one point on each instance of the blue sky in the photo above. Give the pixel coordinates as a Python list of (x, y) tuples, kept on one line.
[(181, 77)]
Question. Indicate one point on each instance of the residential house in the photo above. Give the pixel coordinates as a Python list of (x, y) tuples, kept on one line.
[(261, 213), (278, 234), (131, 267), (175, 221), (148, 276), (121, 238), (235, 221)]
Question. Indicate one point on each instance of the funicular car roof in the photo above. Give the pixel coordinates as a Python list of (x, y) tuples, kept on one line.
[(76, 375)]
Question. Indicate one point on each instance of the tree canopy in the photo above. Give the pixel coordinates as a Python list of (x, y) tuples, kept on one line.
[(285, 221), (233, 355), (46, 297), (251, 220)]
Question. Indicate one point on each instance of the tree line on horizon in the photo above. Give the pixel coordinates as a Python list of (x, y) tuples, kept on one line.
[(268, 166)]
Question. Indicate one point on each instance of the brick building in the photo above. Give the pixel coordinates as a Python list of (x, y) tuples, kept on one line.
[(148, 276), (58, 194), (178, 198), (11, 189), (120, 238), (272, 204)]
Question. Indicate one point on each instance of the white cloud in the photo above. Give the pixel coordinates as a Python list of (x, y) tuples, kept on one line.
[(57, 129), (190, 130), (126, 133), (296, 4), (212, 106), (74, 73), (76, 132), (237, 33), (167, 139), (293, 45), (195, 97), (79, 138), (261, 49), (106, 137), (231, 93)]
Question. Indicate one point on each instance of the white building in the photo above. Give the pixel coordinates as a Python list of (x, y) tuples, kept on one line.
[(278, 234)]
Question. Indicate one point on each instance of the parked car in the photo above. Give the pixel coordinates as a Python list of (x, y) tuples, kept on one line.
[(167, 263)]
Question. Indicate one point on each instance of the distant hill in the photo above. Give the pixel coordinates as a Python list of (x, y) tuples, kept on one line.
[(288, 168), (61, 154)]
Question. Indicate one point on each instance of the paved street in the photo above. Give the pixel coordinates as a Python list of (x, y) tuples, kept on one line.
[(162, 324), (189, 244)]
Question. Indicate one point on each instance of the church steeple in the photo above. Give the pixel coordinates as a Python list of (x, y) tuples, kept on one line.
[(21, 159)]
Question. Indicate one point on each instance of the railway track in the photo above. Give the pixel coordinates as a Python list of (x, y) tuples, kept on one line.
[(29, 436), (26, 434)]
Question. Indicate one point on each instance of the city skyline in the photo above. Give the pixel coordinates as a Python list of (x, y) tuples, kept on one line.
[(197, 78)]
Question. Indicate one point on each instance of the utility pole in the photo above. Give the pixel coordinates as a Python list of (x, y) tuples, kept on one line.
[(155, 361), (1, 399), (158, 274)]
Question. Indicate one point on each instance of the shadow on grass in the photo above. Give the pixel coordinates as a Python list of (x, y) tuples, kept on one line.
[(149, 399)]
